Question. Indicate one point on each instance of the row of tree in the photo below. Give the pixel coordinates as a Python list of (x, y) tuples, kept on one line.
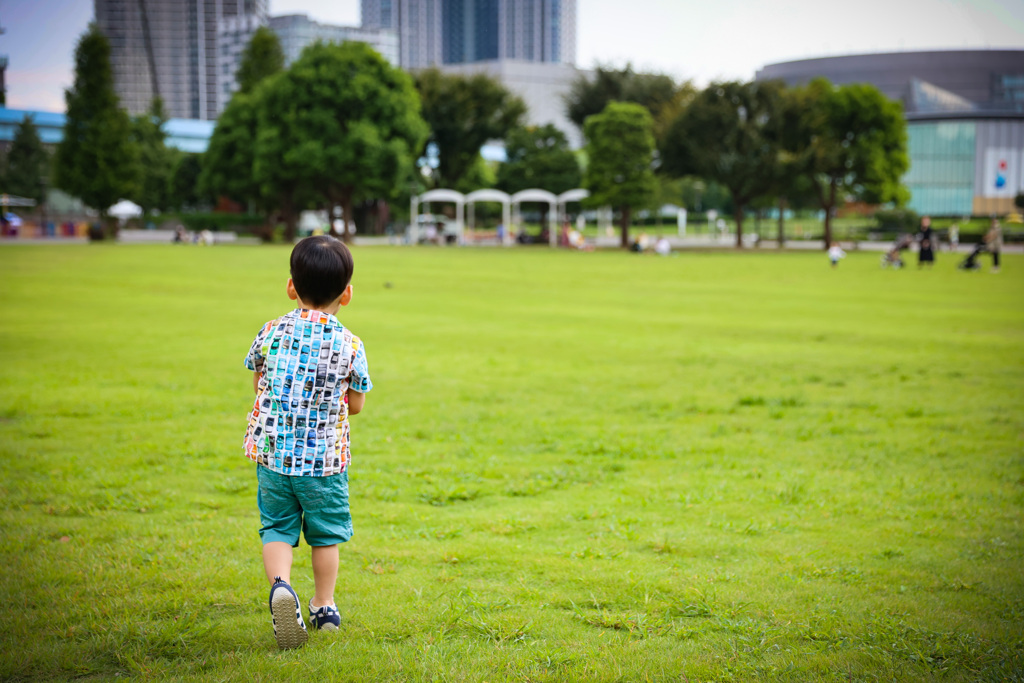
[(765, 143), (815, 145), (342, 127), (105, 155)]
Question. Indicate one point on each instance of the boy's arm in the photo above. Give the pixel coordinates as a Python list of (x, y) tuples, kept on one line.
[(356, 399), (359, 378), (254, 359)]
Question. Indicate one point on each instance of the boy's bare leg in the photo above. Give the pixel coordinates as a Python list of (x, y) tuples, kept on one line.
[(277, 561), (325, 574)]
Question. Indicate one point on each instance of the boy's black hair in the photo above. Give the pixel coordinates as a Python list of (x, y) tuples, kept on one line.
[(321, 268)]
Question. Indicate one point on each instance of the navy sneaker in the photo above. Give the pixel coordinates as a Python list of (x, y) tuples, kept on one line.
[(289, 629), (324, 618)]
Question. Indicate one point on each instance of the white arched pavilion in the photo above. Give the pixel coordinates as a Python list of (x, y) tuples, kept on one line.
[(487, 195), (576, 195), (453, 196), (538, 195)]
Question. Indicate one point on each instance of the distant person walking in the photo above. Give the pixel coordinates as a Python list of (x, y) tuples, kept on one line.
[(994, 242), (926, 243), (954, 237)]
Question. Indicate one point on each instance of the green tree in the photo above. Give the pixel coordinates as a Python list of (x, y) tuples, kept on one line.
[(464, 112), (28, 164), (261, 58), (792, 187), (157, 160), (227, 164), (659, 93), (342, 123), (481, 174), (731, 134), (183, 190), (97, 160), (620, 152), (851, 141), (538, 156)]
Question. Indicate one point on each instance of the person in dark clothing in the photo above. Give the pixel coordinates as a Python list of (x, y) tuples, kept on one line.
[(926, 240)]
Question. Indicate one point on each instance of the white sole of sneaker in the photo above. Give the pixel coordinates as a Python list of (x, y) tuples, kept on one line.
[(286, 627), (328, 627)]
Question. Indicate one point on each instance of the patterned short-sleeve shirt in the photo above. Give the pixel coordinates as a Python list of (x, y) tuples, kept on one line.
[(299, 422)]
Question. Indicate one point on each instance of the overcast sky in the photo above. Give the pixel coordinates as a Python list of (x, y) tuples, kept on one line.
[(700, 40)]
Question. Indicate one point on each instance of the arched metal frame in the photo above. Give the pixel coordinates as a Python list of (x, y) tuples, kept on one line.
[(576, 195), (538, 195), (453, 196), (487, 195), (509, 208)]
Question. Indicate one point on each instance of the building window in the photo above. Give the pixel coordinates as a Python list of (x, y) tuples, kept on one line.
[(941, 175)]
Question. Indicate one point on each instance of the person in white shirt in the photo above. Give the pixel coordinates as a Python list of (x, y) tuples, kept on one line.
[(835, 253)]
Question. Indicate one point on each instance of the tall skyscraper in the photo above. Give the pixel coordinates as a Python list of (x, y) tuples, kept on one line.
[(434, 32), (296, 31), (469, 31), (417, 23), (537, 30), (169, 48), (233, 35)]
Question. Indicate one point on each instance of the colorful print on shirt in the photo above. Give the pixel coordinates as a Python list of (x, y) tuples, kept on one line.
[(299, 422)]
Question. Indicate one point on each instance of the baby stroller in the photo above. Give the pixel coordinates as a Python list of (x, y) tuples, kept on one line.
[(891, 258), (971, 262)]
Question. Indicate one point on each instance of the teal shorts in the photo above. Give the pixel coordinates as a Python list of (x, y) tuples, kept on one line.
[(318, 506)]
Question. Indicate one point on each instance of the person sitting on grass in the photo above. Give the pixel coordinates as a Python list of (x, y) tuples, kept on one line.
[(310, 374)]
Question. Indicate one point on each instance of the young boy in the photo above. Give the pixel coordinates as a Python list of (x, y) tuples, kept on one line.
[(310, 374)]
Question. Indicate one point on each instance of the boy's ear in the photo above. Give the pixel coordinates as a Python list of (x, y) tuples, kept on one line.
[(346, 296), (290, 289)]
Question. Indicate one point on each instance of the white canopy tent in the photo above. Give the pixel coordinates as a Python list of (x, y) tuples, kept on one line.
[(487, 195), (125, 209), (543, 196), (453, 196)]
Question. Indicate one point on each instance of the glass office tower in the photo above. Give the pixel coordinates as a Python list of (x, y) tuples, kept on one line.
[(433, 32), (169, 48)]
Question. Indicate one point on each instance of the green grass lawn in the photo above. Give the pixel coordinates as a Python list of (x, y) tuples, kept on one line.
[(593, 467)]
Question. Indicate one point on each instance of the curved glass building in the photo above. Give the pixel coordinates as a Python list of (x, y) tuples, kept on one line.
[(965, 120)]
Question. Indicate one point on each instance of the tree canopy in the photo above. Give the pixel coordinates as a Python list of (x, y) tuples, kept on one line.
[(464, 112), (538, 156), (620, 151), (731, 134), (97, 160), (658, 93), (261, 58), (851, 142), (28, 164), (184, 189), (157, 160), (340, 122), (227, 165)]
